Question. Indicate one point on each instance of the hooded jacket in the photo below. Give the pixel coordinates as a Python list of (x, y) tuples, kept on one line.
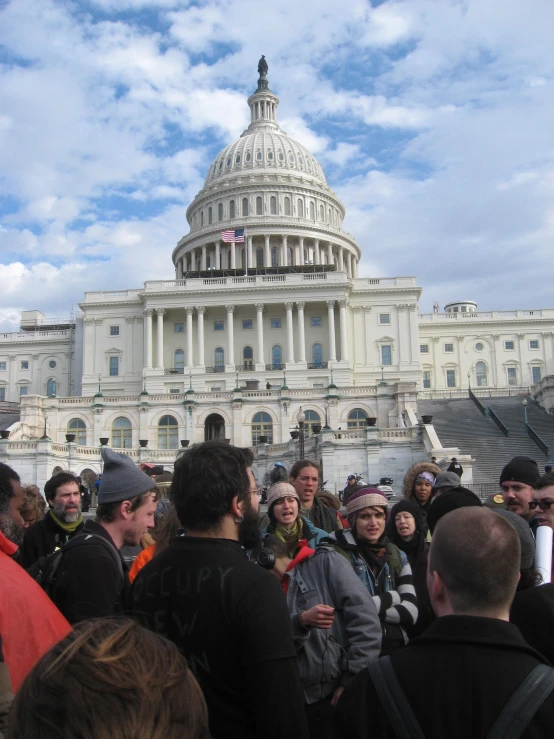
[(413, 472), (312, 535), (329, 658)]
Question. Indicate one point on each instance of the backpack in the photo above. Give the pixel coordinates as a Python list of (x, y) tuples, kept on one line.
[(45, 570)]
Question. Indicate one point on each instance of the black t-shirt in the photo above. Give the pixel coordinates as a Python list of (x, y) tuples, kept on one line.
[(230, 619)]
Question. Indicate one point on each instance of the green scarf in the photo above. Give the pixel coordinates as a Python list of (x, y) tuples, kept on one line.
[(290, 538), (69, 528)]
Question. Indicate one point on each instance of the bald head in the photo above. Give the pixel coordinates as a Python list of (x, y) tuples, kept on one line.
[(476, 553)]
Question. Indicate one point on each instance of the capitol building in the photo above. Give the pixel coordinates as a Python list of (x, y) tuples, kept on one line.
[(265, 323)]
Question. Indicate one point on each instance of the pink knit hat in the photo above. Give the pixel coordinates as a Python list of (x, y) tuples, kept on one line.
[(365, 498)]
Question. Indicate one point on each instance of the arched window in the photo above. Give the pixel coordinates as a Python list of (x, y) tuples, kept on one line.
[(259, 257), (300, 209), (481, 374), (287, 206), (245, 206), (306, 257), (248, 156), (248, 358), (259, 206), (317, 355), (276, 357), (312, 211), (232, 210), (220, 212), (208, 262), (168, 433), (51, 387), (289, 255), (357, 419), (259, 156), (273, 205), (312, 419), (122, 436), (210, 214), (274, 256), (179, 364), (219, 359), (329, 219), (202, 218), (262, 426), (78, 427), (321, 213)]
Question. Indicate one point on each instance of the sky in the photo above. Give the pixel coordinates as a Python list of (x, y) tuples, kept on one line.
[(433, 121)]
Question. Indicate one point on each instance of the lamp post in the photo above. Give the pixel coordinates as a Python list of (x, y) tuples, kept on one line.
[(469, 380), (524, 404), (301, 417)]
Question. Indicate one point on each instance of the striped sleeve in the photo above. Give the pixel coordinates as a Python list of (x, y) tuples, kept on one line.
[(399, 606)]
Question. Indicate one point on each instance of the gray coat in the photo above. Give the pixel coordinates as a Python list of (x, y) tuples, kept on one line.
[(330, 658)]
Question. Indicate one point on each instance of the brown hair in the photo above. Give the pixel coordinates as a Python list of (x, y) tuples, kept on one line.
[(477, 553), (166, 530), (34, 504), (297, 467), (545, 481), (110, 679), (108, 511)]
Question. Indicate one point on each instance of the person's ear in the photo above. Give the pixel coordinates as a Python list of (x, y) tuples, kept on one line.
[(125, 508), (437, 589), (236, 507)]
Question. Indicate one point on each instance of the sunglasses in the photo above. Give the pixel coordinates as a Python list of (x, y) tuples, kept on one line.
[(544, 505)]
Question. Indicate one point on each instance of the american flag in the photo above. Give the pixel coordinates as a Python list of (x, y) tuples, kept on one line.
[(233, 236)]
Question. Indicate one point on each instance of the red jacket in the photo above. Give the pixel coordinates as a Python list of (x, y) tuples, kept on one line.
[(30, 623)]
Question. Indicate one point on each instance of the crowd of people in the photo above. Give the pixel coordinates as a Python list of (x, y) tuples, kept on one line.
[(202, 618)]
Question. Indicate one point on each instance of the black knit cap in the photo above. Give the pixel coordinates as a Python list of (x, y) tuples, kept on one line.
[(521, 469), (410, 507), (450, 501)]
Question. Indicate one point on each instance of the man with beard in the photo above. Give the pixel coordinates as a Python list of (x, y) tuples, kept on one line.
[(518, 480), (29, 622), (227, 615), (61, 523), (92, 578)]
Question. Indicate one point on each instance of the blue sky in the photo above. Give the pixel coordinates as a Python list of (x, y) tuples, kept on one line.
[(433, 120)]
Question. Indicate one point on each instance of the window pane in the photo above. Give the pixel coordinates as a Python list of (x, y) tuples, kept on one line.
[(481, 374), (512, 375), (121, 433), (51, 387), (77, 426), (232, 212), (247, 323), (426, 379), (316, 321), (259, 206), (114, 330), (276, 354), (2, 393), (218, 326), (245, 206), (317, 354), (275, 323), (219, 356), (536, 374), (386, 355), (509, 345), (168, 433), (114, 366), (23, 390), (384, 318), (357, 419), (451, 378), (424, 348), (179, 359), (449, 348)]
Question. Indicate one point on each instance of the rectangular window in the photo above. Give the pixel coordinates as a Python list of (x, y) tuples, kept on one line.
[(512, 375), (386, 355), (384, 318), (215, 389), (114, 366), (23, 390), (174, 391), (247, 324), (534, 344), (426, 379), (424, 348), (316, 321), (536, 374), (219, 325), (275, 323), (509, 346), (179, 328), (449, 348), (2, 393), (450, 378), (114, 330), (3, 366), (318, 384), (24, 364)]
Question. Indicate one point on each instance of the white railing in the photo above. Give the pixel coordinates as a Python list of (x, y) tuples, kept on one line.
[(31, 335), (385, 434), (350, 435), (499, 315)]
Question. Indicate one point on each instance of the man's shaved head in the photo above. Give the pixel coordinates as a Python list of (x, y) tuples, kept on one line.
[(477, 554)]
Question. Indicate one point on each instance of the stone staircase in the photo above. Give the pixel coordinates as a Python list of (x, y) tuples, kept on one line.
[(461, 424)]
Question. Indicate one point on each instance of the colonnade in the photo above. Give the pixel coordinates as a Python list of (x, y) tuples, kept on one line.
[(287, 251)]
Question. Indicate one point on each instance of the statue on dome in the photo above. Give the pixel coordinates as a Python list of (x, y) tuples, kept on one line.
[(262, 67)]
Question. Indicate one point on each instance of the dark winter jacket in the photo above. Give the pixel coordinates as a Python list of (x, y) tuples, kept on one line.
[(90, 583), (43, 537), (533, 613), (409, 482), (457, 677)]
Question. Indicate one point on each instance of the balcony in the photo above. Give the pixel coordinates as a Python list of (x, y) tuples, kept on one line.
[(271, 367), (174, 371), (249, 367), (217, 368), (317, 365)]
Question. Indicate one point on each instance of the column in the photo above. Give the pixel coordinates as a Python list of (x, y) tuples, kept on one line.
[(267, 253), (218, 254), (297, 257), (329, 253), (148, 338), (160, 338), (188, 310), (200, 311), (290, 336), (230, 335), (343, 331), (301, 335), (357, 330), (401, 333), (99, 356), (249, 254), (331, 320), (88, 347), (317, 253), (203, 258), (283, 250), (130, 342), (367, 330), (233, 255), (348, 263), (341, 259), (260, 330)]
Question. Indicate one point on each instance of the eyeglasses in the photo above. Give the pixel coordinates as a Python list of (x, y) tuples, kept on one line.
[(544, 505)]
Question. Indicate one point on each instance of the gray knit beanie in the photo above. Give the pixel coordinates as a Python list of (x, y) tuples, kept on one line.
[(121, 479), (526, 537)]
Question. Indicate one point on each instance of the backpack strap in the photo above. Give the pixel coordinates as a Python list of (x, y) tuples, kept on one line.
[(393, 700), (85, 537), (524, 703)]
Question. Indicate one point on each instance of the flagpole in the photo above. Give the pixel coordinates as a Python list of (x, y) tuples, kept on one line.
[(246, 251)]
